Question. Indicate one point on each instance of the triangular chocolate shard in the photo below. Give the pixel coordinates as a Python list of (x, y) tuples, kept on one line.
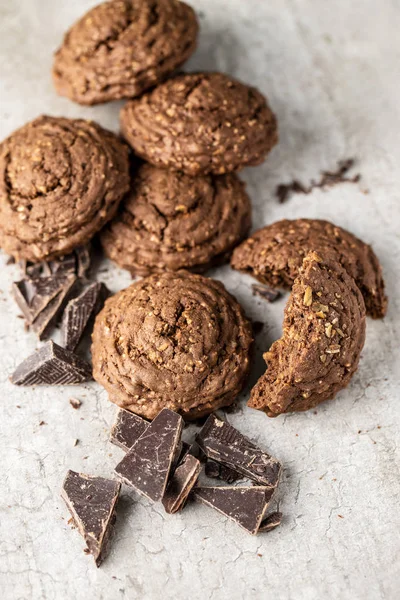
[(245, 505), (52, 365), (271, 522), (80, 311), (225, 444), (181, 483), (91, 502), (127, 429), (48, 317), (147, 465), (33, 295)]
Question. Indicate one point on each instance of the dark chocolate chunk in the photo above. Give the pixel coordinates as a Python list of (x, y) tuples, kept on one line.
[(91, 502), (35, 270), (80, 311), (271, 522), (215, 470), (33, 295), (52, 365), (212, 469), (48, 317), (147, 465), (181, 483), (225, 444), (265, 292), (127, 429), (185, 450), (83, 260), (245, 505), (64, 265)]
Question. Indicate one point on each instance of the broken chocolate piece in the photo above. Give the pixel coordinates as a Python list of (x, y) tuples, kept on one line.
[(83, 260), (33, 295), (48, 317), (91, 502), (181, 483), (146, 466), (212, 469), (75, 403), (64, 265), (51, 365), (185, 450), (127, 429), (267, 293), (215, 470), (245, 505), (80, 311), (225, 444), (34, 270), (271, 522)]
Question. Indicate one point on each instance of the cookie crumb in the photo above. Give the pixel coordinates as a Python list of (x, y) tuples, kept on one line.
[(75, 403)]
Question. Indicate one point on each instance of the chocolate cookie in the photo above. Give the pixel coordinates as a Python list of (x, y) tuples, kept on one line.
[(60, 181), (200, 123), (120, 49), (171, 221), (275, 253), (323, 335), (174, 340)]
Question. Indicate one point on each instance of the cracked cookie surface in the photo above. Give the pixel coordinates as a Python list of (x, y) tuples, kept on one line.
[(170, 221), (323, 335), (200, 123), (175, 340), (274, 254), (120, 49), (61, 180)]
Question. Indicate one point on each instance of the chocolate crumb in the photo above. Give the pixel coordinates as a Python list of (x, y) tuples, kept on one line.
[(327, 179), (267, 293), (75, 403), (42, 423)]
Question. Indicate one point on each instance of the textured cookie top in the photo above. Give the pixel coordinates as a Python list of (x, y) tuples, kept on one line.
[(323, 335), (121, 48), (174, 340), (172, 221), (201, 123), (60, 181), (275, 253)]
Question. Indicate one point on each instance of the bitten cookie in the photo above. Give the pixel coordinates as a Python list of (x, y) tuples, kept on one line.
[(60, 181), (120, 49), (170, 221), (275, 253), (200, 123), (174, 340), (323, 335)]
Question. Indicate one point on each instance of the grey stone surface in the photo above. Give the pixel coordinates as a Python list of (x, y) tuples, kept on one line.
[(331, 72)]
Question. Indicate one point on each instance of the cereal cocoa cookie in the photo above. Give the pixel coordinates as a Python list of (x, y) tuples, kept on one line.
[(200, 123), (60, 181), (171, 221), (121, 48), (323, 335), (173, 340), (274, 254)]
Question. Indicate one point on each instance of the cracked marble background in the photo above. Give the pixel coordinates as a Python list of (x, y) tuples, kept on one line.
[(331, 72)]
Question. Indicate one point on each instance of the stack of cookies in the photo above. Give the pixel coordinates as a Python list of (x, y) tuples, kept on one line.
[(168, 205)]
